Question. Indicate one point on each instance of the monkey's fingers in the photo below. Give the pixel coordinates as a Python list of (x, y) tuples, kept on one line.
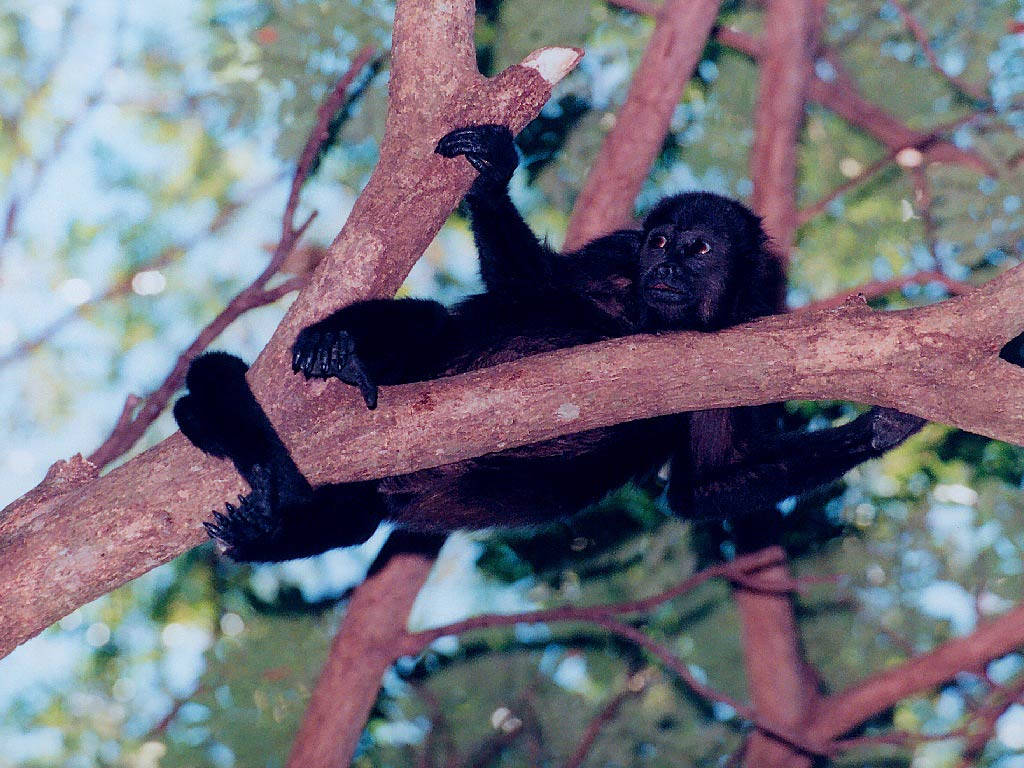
[(473, 138), (890, 427), (361, 378)]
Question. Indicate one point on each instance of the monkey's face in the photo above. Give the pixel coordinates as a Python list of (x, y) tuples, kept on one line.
[(697, 250), (683, 272)]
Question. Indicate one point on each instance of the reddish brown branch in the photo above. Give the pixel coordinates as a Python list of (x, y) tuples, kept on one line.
[(781, 688), (743, 565), (786, 63), (604, 616), (128, 432), (630, 149), (817, 208), (315, 144), (633, 688), (847, 709)]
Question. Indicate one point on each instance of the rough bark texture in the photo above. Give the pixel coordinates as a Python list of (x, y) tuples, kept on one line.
[(778, 679), (938, 362), (628, 152)]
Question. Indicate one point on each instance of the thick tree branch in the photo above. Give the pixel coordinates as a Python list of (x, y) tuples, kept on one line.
[(938, 362), (630, 149), (786, 61)]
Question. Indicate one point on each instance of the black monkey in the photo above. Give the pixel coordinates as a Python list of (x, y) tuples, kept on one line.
[(701, 262)]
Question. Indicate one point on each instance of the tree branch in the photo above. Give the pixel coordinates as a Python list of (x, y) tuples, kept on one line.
[(630, 149), (939, 362), (845, 710), (879, 288), (842, 96), (976, 92), (781, 686)]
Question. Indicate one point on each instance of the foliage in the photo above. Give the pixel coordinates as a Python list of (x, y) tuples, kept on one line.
[(132, 143)]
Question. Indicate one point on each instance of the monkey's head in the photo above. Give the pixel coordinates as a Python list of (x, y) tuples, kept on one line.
[(705, 263)]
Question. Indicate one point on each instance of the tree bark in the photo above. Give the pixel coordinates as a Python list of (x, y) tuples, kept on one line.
[(780, 683)]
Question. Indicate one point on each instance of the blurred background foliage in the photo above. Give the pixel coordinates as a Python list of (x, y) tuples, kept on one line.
[(145, 150)]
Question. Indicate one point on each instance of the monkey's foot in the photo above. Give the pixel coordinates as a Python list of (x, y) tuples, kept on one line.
[(890, 427), (217, 403), (252, 530), (488, 148), (321, 352)]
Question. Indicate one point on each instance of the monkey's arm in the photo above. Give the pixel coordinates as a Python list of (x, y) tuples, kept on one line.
[(788, 465), (381, 341), (511, 256)]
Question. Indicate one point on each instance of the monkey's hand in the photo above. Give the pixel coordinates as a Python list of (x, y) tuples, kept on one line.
[(890, 427), (322, 352), (488, 148)]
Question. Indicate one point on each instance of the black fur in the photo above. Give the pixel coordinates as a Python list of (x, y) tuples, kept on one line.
[(701, 262)]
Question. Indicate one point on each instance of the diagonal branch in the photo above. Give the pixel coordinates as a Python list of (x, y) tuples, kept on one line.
[(842, 96), (630, 149), (971, 90), (847, 709)]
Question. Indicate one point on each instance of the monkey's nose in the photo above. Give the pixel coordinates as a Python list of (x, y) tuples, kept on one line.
[(666, 271)]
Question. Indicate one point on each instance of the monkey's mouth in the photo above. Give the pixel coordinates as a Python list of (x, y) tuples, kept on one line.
[(663, 292)]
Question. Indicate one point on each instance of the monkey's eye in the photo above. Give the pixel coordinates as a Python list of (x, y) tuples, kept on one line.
[(702, 246), (659, 241)]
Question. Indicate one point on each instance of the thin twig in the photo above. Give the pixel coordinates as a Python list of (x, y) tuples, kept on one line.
[(124, 436), (815, 209), (972, 90), (124, 286), (416, 641), (41, 164), (633, 688)]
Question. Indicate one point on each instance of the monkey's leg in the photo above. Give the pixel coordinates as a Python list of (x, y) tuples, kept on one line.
[(283, 517), (789, 465)]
